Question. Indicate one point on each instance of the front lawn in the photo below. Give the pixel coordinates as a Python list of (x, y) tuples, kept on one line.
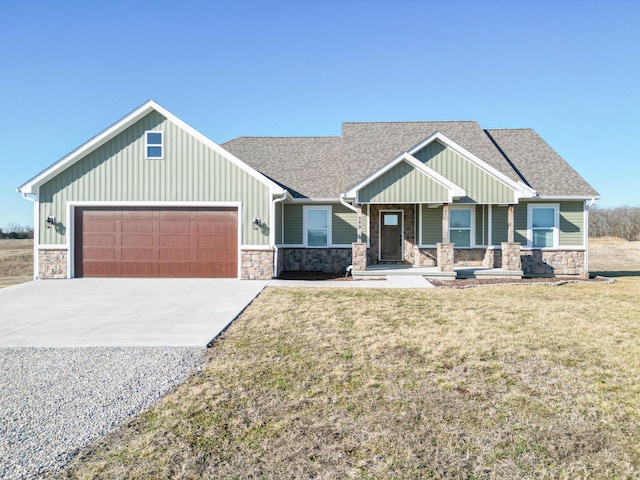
[(492, 382)]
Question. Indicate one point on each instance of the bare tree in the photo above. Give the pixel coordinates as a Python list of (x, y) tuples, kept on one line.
[(622, 222)]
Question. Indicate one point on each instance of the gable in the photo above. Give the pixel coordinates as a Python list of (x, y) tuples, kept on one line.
[(480, 185), (403, 183), (190, 171)]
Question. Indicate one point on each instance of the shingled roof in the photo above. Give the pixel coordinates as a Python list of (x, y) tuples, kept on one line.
[(325, 167)]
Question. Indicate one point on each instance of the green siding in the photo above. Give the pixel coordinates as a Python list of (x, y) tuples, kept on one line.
[(500, 228), (343, 224), (431, 225), (292, 224), (571, 223), (499, 225), (520, 223), (480, 225), (189, 172), (403, 184), (479, 185), (278, 223)]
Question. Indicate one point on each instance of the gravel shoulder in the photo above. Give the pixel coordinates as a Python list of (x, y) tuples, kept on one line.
[(55, 401)]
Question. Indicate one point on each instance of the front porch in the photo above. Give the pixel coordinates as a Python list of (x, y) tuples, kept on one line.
[(381, 270), (428, 240)]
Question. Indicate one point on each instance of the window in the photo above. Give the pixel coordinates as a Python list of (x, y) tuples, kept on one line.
[(154, 146), (460, 227), (543, 226), (317, 229)]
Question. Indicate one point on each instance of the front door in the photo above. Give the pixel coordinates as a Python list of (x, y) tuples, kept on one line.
[(391, 236)]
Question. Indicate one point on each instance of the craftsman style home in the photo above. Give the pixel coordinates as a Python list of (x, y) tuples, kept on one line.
[(152, 197)]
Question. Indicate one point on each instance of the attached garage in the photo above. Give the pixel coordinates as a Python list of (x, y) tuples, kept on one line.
[(156, 242)]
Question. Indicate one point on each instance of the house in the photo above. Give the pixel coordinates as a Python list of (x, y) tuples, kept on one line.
[(150, 196)]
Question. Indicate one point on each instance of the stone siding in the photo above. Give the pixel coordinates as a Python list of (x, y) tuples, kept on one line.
[(553, 262), (427, 257), (52, 263), (256, 265), (335, 260), (409, 232)]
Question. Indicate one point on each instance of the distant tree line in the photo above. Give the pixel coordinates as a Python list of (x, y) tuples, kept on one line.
[(15, 231), (622, 222)]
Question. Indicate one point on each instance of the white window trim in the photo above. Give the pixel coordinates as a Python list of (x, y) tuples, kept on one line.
[(556, 226), (147, 145), (472, 233), (305, 232)]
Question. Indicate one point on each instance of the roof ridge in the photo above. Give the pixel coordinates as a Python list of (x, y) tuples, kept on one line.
[(287, 136), (520, 128), (415, 121)]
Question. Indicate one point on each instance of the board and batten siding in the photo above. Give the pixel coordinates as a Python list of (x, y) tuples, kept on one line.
[(403, 184), (431, 227), (189, 172), (479, 185), (343, 224)]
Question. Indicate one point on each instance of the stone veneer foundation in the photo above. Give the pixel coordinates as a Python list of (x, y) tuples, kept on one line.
[(52, 263), (334, 260), (256, 264), (553, 262)]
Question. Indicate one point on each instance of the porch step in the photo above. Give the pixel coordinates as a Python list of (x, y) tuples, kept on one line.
[(488, 273)]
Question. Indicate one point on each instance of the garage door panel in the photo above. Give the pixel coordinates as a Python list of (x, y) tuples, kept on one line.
[(145, 226), (156, 242), (138, 240), (136, 254)]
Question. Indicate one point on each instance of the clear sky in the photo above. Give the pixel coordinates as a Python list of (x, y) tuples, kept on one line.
[(568, 69)]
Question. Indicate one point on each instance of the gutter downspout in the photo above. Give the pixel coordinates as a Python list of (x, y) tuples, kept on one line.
[(275, 247), (36, 231), (586, 236), (351, 207)]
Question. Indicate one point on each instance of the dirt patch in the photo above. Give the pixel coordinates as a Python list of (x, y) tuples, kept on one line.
[(476, 282)]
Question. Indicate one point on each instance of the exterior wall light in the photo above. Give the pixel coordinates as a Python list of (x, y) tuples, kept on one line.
[(256, 223), (50, 221)]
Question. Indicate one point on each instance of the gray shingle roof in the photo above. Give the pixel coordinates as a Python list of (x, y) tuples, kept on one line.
[(325, 167), (546, 171)]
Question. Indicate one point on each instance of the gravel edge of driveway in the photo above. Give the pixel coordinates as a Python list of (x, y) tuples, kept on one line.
[(56, 401)]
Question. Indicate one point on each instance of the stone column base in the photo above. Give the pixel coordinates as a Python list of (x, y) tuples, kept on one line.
[(511, 256), (359, 256), (52, 263), (446, 257)]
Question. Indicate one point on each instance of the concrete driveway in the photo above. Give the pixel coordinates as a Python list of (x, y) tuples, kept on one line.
[(90, 312)]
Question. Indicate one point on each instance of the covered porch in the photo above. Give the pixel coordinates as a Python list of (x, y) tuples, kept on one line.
[(436, 241)]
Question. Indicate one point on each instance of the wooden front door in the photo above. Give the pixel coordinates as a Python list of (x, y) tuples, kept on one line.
[(391, 225)]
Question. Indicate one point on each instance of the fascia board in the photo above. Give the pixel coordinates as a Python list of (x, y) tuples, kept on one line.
[(521, 190), (566, 197), (122, 125)]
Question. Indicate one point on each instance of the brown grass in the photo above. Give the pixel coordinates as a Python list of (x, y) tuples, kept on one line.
[(16, 261), (498, 382)]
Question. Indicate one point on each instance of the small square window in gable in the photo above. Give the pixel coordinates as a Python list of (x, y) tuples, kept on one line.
[(154, 145)]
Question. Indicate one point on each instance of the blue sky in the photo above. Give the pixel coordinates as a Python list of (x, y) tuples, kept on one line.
[(568, 69)]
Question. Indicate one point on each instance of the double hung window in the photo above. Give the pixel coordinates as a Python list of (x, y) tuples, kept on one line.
[(317, 229), (543, 226), (460, 227), (154, 145)]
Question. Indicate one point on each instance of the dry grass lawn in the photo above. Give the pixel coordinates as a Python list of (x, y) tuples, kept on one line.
[(485, 383), (16, 261)]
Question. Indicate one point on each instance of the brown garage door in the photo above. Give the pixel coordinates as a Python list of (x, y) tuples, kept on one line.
[(156, 242)]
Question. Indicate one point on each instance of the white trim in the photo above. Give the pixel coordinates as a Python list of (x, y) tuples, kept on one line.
[(314, 200), (57, 246), (556, 226), (125, 123), (520, 189), (420, 220), (472, 229), (546, 198), (380, 212), (147, 145), (577, 248), (305, 233), (453, 189), (70, 221), (256, 247), (490, 227)]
